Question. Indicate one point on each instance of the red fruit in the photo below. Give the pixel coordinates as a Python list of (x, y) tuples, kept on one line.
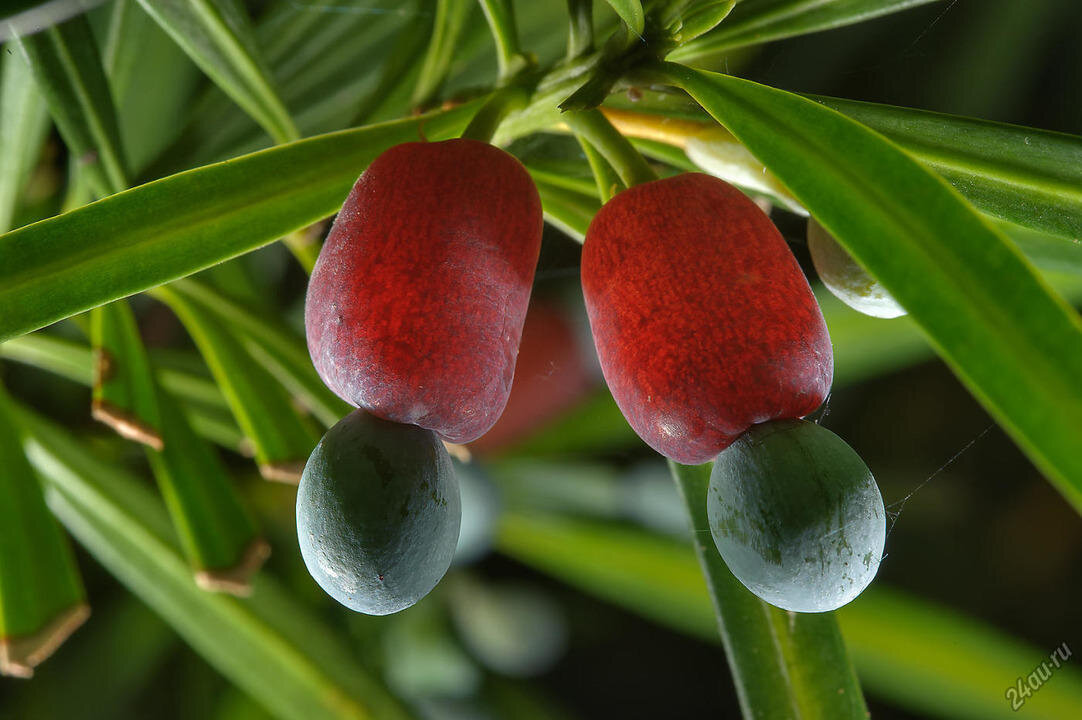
[(415, 307), (704, 323)]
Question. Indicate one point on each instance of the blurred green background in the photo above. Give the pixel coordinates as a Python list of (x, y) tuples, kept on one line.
[(976, 530)]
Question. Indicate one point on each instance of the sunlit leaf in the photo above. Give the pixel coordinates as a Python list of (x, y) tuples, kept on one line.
[(173, 227), (1010, 338)]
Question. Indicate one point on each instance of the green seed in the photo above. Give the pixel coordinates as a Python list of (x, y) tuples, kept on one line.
[(797, 516)]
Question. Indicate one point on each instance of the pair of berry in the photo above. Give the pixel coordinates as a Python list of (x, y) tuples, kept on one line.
[(705, 327)]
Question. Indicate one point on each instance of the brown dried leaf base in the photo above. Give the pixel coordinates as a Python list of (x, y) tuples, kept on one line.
[(235, 580), (126, 425), (20, 655), (284, 472)]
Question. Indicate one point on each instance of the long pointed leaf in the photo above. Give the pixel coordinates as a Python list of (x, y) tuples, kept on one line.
[(1026, 176), (282, 441), (173, 227), (268, 645), (124, 394), (218, 37), (66, 65), (217, 532), (759, 21), (41, 594), (280, 350), (898, 642), (784, 664), (1011, 339), (23, 123)]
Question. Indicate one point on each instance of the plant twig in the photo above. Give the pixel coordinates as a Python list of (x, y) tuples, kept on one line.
[(580, 33), (617, 149), (500, 15), (500, 104)]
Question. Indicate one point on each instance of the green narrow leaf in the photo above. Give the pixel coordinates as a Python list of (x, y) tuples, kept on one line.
[(104, 668), (568, 210), (924, 658), (125, 398), (268, 644), (65, 62), (451, 19), (630, 11), (784, 664), (218, 37), (22, 17), (41, 594), (1030, 177), (282, 441), (202, 401), (400, 72), (1020, 175), (279, 349), (318, 81), (217, 533), (151, 79), (608, 182), (570, 175), (24, 121), (173, 227), (759, 21), (1012, 340)]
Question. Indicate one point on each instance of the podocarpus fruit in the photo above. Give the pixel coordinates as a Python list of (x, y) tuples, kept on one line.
[(415, 307), (703, 321), (378, 513)]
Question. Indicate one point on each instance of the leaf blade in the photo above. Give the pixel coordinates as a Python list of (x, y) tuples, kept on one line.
[(281, 439), (218, 38), (268, 644), (173, 227), (758, 21), (1013, 341), (784, 664), (1030, 177), (23, 125), (659, 578), (41, 593)]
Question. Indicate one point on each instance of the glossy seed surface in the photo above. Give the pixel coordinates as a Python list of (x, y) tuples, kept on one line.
[(703, 320), (415, 307), (378, 513), (797, 516)]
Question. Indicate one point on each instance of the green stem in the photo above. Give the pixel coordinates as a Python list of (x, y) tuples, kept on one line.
[(785, 665), (617, 149), (499, 105), (500, 15), (580, 34), (608, 183)]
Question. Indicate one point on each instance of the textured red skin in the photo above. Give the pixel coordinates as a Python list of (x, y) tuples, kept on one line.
[(415, 307), (704, 323)]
